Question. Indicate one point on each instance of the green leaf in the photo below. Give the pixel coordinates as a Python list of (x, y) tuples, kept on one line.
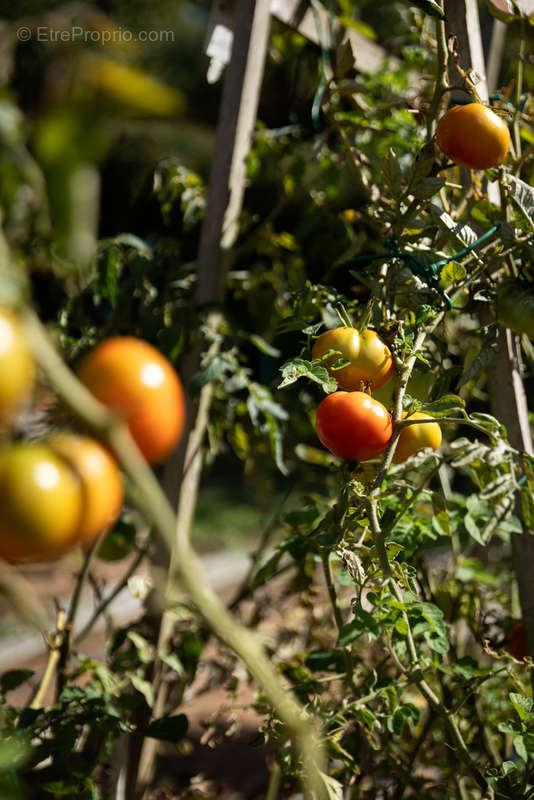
[(363, 622), (312, 455), (131, 240), (14, 678), (523, 194), (213, 371), (392, 173), (480, 362), (401, 626), (522, 705), (300, 368), (510, 727), (344, 59), (145, 650), (453, 272), (266, 572), (423, 163), (144, 687), (429, 7), (427, 187), (444, 406), (473, 529), (168, 729), (465, 667), (325, 661), (15, 750), (508, 767), (501, 485), (276, 442), (520, 748), (407, 713), (333, 790), (263, 346)]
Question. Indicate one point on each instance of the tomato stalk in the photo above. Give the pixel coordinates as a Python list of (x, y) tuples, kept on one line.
[(66, 644), (188, 568), (327, 569), (54, 655)]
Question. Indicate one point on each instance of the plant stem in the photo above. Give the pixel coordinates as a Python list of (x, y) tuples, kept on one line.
[(274, 782), (519, 88), (66, 644), (327, 569), (103, 605), (187, 565), (441, 84), (55, 646)]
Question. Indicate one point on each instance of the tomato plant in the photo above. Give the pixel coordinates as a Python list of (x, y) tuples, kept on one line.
[(370, 361), (353, 426), (515, 306), (101, 483), (41, 503), (137, 381), (17, 366), (419, 386), (473, 136), (417, 437), (381, 589)]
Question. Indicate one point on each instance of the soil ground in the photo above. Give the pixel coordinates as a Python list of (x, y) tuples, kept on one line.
[(197, 769)]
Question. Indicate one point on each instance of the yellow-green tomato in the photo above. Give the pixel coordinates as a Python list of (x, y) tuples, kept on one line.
[(41, 503), (101, 482), (417, 437), (371, 363), (17, 367)]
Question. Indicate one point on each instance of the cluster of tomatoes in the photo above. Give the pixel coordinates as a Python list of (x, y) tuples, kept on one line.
[(352, 424), (355, 425), (67, 490)]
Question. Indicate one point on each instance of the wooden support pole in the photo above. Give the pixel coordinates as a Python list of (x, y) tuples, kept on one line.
[(505, 384), (509, 405), (235, 127), (464, 23)]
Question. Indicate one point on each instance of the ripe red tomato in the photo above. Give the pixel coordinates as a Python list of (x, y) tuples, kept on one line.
[(101, 483), (353, 426), (135, 379), (473, 136), (516, 642), (371, 362), (17, 367), (40, 503), (417, 437)]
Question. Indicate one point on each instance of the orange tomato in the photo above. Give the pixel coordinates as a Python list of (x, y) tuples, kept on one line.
[(101, 483), (473, 136), (417, 437), (40, 503), (17, 367), (371, 362), (353, 426), (132, 377)]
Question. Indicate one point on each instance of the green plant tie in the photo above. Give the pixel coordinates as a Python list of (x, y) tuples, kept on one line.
[(427, 272)]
